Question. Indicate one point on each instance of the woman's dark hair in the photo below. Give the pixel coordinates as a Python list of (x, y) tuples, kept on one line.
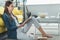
[(7, 4)]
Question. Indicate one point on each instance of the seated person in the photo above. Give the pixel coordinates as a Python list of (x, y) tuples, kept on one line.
[(12, 24)]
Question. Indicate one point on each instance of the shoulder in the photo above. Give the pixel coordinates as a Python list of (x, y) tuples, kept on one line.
[(5, 16)]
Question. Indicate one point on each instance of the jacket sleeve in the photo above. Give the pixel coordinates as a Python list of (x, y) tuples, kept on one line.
[(8, 23)]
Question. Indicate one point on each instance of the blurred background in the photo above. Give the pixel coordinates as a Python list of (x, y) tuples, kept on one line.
[(50, 8)]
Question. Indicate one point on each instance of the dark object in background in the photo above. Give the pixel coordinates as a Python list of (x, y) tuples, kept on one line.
[(28, 12), (3, 35), (18, 8), (35, 16), (11, 0)]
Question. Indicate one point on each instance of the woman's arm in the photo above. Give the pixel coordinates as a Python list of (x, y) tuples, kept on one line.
[(21, 25)]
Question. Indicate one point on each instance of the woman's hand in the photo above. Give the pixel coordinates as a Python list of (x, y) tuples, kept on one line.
[(21, 25)]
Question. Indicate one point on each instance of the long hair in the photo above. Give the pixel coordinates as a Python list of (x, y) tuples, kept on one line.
[(7, 4)]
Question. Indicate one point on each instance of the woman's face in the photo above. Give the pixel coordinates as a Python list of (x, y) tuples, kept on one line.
[(10, 8)]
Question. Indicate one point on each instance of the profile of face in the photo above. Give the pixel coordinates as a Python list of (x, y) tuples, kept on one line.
[(10, 7)]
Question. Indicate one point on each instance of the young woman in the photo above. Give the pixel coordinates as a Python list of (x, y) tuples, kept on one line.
[(12, 24)]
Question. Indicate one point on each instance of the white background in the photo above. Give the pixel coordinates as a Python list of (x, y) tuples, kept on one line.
[(33, 2)]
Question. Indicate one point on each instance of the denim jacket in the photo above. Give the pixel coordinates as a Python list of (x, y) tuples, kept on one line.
[(11, 26)]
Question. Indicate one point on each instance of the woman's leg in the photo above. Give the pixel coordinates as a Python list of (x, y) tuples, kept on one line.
[(37, 25)]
